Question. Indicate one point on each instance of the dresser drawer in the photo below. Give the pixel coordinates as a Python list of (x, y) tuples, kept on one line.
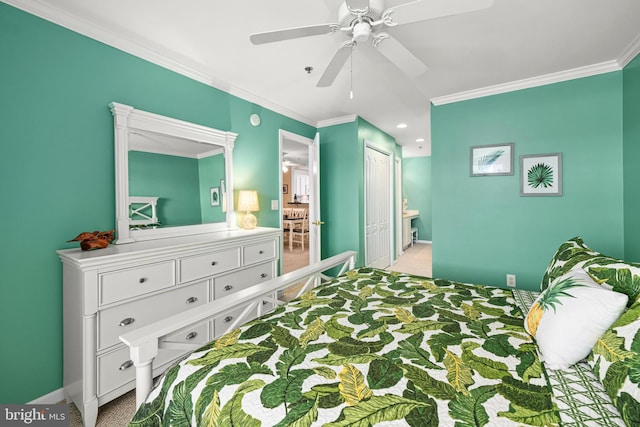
[(221, 324), (198, 335), (236, 281), (259, 252), (209, 264), (118, 320), (122, 284)]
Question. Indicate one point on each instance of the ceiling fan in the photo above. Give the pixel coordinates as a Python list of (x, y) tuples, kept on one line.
[(365, 19)]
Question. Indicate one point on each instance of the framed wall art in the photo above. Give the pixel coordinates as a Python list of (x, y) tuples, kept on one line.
[(215, 196), (492, 160), (541, 175)]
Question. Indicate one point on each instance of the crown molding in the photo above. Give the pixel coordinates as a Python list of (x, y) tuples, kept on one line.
[(255, 99), (337, 121), (630, 52), (165, 60), (561, 76)]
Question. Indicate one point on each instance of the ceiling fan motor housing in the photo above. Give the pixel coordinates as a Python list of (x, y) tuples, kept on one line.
[(347, 19)]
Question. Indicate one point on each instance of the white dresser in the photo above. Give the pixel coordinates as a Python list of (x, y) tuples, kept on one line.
[(111, 291)]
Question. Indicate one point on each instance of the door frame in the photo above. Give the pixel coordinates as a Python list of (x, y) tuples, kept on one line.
[(398, 208), (392, 230), (310, 143)]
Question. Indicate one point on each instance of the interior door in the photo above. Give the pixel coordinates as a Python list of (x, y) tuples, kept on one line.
[(303, 153), (378, 207), (315, 222)]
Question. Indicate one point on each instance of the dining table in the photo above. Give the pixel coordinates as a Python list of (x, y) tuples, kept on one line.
[(289, 223)]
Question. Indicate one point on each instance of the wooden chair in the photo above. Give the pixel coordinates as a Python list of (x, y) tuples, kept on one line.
[(301, 231)]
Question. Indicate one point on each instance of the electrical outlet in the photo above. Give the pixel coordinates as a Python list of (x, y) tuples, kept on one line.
[(511, 280), (274, 205)]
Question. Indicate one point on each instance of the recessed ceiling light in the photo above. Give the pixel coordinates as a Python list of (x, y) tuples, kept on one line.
[(420, 140), (402, 126)]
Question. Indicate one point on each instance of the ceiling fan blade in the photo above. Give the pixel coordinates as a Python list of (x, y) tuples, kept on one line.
[(336, 64), (292, 33), (422, 10), (399, 55), (357, 4)]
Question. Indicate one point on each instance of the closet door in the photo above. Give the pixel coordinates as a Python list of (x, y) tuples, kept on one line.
[(378, 205)]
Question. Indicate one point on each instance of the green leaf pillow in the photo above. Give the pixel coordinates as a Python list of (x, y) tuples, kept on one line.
[(612, 273), (616, 362), (569, 317)]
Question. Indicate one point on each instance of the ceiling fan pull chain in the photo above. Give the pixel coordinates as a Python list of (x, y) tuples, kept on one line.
[(351, 76)]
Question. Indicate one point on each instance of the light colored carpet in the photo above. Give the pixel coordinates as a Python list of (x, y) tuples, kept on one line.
[(415, 260), (295, 259), (116, 413)]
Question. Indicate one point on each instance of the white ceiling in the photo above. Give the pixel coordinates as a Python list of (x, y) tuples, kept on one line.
[(513, 44)]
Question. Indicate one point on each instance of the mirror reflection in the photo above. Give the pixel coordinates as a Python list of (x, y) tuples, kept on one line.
[(185, 175)]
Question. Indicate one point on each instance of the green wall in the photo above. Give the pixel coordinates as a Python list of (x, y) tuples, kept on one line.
[(416, 188), (482, 228), (342, 183), (57, 170), (631, 129), (340, 188), (174, 178)]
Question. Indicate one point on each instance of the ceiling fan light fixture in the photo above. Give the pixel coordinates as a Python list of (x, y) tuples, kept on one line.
[(361, 32)]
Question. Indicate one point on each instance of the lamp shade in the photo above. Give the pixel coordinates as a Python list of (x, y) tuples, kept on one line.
[(248, 201)]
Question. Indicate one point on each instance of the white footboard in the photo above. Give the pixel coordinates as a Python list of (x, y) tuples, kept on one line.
[(145, 341)]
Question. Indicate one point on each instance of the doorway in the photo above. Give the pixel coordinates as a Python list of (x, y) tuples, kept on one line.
[(378, 207), (300, 201)]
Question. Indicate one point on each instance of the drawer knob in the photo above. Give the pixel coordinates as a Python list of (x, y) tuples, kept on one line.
[(191, 300), (228, 319), (213, 262), (261, 252), (142, 279), (263, 275), (126, 365), (191, 335), (127, 321), (228, 288)]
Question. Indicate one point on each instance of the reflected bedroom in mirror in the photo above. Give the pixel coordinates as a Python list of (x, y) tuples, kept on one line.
[(179, 174), (166, 170)]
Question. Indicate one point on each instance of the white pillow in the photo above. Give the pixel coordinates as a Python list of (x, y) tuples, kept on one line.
[(573, 312)]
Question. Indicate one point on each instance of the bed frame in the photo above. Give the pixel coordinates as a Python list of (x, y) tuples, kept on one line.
[(144, 342)]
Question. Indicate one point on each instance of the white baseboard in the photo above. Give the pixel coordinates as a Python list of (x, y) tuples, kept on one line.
[(49, 399), (427, 242)]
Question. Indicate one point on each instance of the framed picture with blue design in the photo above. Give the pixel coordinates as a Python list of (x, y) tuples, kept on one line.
[(541, 175), (492, 160)]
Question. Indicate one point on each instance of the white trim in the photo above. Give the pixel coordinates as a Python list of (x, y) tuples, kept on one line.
[(629, 53), (50, 398), (426, 242), (561, 76), (164, 59), (81, 26), (337, 121)]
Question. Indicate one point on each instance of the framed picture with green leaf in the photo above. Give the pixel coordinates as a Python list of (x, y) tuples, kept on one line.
[(492, 160), (541, 175)]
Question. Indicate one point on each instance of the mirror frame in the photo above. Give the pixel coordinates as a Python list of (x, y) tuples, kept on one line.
[(127, 119)]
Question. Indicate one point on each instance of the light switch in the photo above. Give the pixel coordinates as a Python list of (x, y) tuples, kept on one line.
[(274, 205)]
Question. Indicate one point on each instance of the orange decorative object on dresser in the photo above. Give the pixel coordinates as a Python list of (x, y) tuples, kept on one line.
[(95, 240)]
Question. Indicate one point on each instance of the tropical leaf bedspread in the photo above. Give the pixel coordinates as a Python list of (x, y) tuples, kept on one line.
[(369, 348)]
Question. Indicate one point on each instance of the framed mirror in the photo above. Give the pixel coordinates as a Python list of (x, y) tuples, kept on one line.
[(169, 175)]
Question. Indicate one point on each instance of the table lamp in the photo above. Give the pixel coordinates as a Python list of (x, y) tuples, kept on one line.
[(248, 202)]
